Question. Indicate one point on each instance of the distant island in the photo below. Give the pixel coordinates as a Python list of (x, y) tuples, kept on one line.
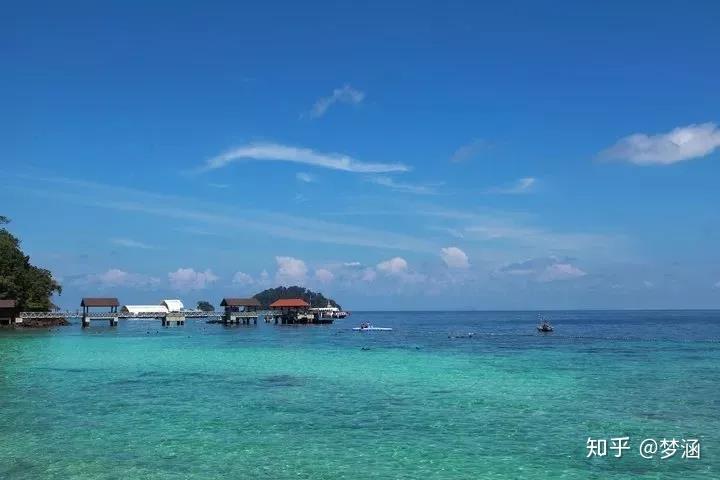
[(315, 299)]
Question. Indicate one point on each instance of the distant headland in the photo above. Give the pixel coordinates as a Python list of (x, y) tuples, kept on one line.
[(26, 293)]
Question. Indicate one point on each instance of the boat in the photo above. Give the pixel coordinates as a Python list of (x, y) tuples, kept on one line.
[(329, 312), (366, 327), (544, 325)]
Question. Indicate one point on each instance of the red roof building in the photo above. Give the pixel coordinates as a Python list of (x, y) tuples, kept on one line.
[(290, 304)]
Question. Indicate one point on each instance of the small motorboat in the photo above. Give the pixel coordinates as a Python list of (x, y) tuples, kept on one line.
[(366, 327), (544, 325)]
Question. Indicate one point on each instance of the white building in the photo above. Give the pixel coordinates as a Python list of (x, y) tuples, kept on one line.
[(173, 305), (138, 309)]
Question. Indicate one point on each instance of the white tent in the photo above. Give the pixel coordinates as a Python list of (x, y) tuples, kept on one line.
[(135, 309), (173, 305)]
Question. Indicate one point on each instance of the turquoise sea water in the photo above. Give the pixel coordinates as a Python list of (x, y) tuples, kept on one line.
[(322, 402)]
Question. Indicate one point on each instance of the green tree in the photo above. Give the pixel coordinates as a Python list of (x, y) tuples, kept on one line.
[(315, 299), (31, 286), (205, 306)]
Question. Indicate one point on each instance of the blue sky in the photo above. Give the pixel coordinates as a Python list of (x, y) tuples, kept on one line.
[(405, 156)]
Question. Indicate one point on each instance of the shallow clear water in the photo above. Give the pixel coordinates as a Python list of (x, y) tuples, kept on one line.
[(323, 402)]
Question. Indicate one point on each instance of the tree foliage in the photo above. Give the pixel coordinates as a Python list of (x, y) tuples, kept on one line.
[(315, 299), (31, 286), (205, 306)]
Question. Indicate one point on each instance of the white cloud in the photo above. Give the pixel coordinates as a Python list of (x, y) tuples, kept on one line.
[(717, 285), (547, 269), (352, 264), (560, 271), (393, 266), (648, 284), (466, 152), (115, 277), (403, 187), (324, 275), (678, 145), (398, 268), (129, 243), (241, 278), (519, 186), (188, 279), (454, 257), (305, 177), (291, 271), (274, 152), (346, 94)]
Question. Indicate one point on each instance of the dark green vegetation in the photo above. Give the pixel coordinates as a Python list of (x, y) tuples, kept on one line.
[(315, 299), (31, 286), (205, 306)]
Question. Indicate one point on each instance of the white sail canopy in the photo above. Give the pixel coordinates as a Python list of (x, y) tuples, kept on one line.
[(173, 305), (135, 309)]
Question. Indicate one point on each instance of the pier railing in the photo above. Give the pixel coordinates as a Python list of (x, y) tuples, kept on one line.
[(160, 314)]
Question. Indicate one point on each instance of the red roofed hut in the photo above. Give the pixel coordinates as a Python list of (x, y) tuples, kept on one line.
[(292, 310)]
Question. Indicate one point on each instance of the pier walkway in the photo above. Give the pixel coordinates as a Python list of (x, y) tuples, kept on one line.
[(166, 317)]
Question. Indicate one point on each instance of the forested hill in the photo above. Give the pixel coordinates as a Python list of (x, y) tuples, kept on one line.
[(315, 299), (32, 287)]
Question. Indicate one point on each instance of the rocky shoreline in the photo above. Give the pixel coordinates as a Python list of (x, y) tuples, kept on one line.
[(39, 323)]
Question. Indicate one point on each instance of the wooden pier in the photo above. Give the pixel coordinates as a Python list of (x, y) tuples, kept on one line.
[(237, 311), (91, 302), (243, 311)]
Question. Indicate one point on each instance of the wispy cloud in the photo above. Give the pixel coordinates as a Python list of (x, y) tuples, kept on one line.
[(130, 243), (518, 187), (198, 231), (678, 145), (345, 94), (274, 152), (389, 182), (548, 269), (305, 177), (116, 277), (469, 151), (202, 217), (453, 232), (541, 239)]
